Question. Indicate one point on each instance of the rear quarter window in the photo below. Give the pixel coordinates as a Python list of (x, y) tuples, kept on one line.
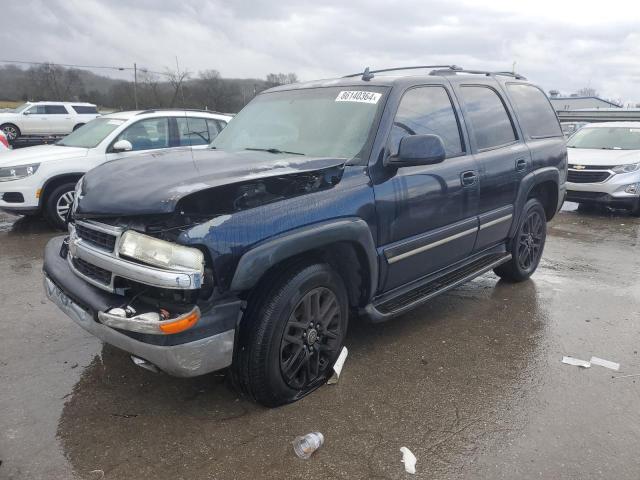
[(82, 109), (535, 113)]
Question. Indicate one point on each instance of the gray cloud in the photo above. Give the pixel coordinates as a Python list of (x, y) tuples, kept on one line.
[(241, 38)]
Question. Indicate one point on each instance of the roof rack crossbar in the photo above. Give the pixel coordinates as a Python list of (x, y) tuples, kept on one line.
[(368, 72)]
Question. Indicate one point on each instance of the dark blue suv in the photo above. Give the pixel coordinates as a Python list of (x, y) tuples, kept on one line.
[(367, 194)]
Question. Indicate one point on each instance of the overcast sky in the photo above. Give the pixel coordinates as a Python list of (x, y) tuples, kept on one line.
[(560, 44)]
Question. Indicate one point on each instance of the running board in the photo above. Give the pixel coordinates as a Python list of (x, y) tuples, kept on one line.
[(387, 308)]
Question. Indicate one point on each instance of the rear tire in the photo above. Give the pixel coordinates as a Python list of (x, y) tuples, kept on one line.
[(57, 205), (527, 245), (11, 131), (291, 335)]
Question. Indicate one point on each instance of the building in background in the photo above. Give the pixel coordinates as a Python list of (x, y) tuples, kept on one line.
[(575, 102)]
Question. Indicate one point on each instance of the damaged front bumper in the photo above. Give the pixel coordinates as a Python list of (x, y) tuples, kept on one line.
[(206, 347)]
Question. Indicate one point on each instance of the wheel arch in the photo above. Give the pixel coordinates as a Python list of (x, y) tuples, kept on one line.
[(55, 181), (346, 244), (542, 184)]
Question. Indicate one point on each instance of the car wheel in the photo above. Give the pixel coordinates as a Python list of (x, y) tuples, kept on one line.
[(635, 210), (527, 245), (78, 126), (58, 204), (291, 335), (10, 130)]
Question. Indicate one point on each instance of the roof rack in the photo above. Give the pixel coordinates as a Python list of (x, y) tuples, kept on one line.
[(437, 70), (154, 110), (478, 72), (368, 74)]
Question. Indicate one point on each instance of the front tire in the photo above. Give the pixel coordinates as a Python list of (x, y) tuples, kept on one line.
[(11, 131), (291, 335), (58, 204), (527, 245)]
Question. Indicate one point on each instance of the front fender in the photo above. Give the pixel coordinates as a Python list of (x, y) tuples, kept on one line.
[(254, 263)]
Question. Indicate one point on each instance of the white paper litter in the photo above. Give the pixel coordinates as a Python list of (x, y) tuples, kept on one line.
[(605, 363), (409, 460), (576, 361), (337, 367)]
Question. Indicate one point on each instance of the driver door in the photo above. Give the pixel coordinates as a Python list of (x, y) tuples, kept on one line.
[(144, 135), (427, 214), (34, 121)]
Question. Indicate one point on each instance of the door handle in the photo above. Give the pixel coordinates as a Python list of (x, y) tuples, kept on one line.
[(468, 178), (521, 164)]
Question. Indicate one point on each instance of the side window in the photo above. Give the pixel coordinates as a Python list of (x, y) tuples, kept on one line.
[(55, 110), (488, 117), (148, 134), (36, 110), (84, 109), (427, 110), (537, 117), (192, 131)]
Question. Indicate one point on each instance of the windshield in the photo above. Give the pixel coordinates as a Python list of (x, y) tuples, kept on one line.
[(91, 134), (320, 122), (20, 108), (608, 138)]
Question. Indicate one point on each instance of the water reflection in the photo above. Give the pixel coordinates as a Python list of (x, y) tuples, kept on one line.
[(446, 380)]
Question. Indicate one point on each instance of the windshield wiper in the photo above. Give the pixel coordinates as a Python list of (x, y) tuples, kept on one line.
[(273, 150)]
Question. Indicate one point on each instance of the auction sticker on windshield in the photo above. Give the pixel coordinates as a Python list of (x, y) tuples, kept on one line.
[(358, 96)]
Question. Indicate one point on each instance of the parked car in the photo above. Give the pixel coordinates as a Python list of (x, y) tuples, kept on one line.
[(4, 143), (569, 128), (46, 118), (42, 179), (367, 194), (604, 165)]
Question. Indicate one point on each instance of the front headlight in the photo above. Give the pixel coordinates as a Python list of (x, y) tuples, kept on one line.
[(160, 253), (16, 173), (632, 167)]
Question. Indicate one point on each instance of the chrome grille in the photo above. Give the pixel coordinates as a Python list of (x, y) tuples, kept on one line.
[(96, 237), (95, 273)]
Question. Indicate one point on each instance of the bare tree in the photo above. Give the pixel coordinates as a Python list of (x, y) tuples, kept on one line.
[(587, 92), (275, 79), (176, 78)]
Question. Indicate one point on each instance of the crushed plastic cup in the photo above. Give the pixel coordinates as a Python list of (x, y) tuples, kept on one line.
[(306, 445)]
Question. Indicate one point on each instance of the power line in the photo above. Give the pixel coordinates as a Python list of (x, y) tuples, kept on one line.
[(71, 65)]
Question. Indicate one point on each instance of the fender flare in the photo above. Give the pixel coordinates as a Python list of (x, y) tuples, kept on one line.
[(255, 262), (526, 185), (49, 181)]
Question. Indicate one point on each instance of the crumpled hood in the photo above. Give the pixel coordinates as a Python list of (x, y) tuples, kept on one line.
[(40, 154), (154, 183), (590, 156)]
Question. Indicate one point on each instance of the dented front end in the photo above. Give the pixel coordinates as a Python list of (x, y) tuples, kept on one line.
[(143, 278)]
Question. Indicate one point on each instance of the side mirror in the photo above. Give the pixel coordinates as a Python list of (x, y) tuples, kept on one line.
[(26, 112), (418, 150), (122, 146)]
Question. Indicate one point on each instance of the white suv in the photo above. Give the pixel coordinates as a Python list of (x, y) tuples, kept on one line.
[(46, 118), (42, 179), (604, 165)]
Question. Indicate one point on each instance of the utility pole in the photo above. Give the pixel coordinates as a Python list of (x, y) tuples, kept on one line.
[(135, 85)]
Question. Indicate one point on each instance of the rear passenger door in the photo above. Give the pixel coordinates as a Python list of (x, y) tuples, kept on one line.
[(502, 157), (427, 213), (196, 132), (59, 120)]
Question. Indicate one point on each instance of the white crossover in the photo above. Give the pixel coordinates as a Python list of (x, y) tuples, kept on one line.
[(46, 118), (604, 165), (42, 179)]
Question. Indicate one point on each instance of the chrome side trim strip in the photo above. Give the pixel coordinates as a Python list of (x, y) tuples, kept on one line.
[(429, 246), (496, 221)]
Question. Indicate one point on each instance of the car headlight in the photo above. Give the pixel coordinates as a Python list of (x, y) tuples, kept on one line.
[(16, 173), (160, 253), (632, 167)]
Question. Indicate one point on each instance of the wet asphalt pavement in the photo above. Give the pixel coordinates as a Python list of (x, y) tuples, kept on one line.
[(472, 383)]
